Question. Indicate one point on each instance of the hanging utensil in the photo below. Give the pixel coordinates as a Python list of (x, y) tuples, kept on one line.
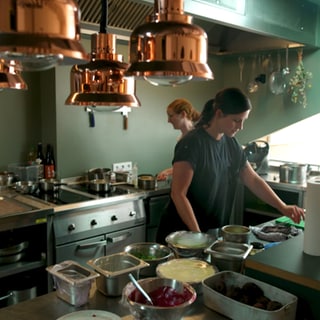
[(277, 82), (253, 85), (241, 65), (286, 70)]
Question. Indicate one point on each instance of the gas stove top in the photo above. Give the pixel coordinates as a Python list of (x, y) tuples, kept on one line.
[(74, 193)]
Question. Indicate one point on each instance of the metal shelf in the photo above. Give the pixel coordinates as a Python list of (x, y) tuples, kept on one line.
[(21, 266)]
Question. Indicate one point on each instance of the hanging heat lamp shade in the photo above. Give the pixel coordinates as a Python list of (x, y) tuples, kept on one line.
[(101, 82), (41, 34), (168, 49), (10, 77)]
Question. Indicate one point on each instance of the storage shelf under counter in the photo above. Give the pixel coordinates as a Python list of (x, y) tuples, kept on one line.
[(256, 211), (286, 266)]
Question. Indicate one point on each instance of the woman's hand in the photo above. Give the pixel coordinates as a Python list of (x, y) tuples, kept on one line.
[(295, 213), (163, 175)]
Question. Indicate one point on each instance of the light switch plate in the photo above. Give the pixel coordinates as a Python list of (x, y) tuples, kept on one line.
[(122, 166)]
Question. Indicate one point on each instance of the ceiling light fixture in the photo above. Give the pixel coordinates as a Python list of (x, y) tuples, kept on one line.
[(40, 34), (168, 50), (102, 82), (10, 77)]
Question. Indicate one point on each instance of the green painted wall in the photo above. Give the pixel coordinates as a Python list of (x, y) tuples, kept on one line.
[(40, 114)]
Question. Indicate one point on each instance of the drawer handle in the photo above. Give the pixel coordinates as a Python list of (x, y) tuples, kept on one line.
[(119, 238), (92, 245)]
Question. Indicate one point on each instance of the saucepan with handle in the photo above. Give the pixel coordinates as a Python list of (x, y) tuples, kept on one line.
[(49, 185)]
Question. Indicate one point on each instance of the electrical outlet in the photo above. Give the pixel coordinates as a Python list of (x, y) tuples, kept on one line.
[(122, 166)]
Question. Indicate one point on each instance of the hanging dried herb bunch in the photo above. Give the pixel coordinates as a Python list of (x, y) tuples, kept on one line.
[(299, 82)]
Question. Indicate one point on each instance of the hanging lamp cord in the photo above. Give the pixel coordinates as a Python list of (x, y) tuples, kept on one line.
[(104, 16)]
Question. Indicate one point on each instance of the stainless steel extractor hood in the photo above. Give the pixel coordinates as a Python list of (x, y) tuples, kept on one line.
[(232, 26)]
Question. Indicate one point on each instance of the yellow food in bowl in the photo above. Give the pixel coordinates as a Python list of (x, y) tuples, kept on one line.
[(186, 270)]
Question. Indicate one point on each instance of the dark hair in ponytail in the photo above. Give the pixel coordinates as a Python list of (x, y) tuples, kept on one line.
[(229, 101)]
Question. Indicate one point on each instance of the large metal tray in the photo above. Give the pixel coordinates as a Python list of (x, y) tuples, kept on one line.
[(240, 311)]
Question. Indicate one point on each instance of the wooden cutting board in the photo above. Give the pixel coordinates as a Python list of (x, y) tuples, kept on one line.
[(9, 206)]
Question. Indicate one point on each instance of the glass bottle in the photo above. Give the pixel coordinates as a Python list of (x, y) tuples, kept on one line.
[(40, 161), (49, 165), (40, 156)]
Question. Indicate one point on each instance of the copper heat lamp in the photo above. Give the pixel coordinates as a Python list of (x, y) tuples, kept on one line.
[(168, 49), (102, 82), (40, 34), (10, 77)]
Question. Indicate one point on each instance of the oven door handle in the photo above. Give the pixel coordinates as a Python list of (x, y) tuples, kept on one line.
[(92, 245), (119, 238)]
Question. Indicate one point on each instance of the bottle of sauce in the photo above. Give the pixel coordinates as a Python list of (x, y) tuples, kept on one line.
[(49, 165)]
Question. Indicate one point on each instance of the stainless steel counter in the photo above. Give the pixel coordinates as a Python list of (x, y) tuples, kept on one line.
[(50, 307)]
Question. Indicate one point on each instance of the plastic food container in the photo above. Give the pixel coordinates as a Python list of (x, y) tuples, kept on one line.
[(234, 309), (26, 172), (114, 270), (229, 255), (72, 282)]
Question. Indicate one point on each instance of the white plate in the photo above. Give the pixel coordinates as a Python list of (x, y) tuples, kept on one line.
[(90, 314)]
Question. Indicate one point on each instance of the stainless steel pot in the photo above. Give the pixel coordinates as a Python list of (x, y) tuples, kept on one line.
[(26, 187), (99, 173), (147, 181), (293, 173), (49, 185), (102, 185), (12, 252), (99, 185), (6, 178)]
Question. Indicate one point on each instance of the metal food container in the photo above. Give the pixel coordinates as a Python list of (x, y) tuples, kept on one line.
[(72, 282), (122, 176), (192, 271), (233, 309), (154, 312), (189, 244), (114, 270), (229, 255), (152, 253), (236, 233)]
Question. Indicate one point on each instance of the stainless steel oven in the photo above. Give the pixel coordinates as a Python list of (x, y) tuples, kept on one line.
[(97, 230)]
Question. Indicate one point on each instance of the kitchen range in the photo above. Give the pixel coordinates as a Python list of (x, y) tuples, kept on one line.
[(91, 224), (71, 223)]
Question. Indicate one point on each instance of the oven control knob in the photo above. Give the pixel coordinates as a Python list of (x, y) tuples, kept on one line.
[(93, 222), (132, 214), (114, 218), (71, 227)]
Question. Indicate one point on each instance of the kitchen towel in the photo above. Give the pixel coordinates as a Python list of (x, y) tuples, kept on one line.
[(312, 220)]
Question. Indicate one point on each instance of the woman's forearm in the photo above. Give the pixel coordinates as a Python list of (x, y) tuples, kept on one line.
[(185, 211)]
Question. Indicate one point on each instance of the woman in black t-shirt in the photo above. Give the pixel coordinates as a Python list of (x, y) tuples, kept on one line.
[(208, 163)]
